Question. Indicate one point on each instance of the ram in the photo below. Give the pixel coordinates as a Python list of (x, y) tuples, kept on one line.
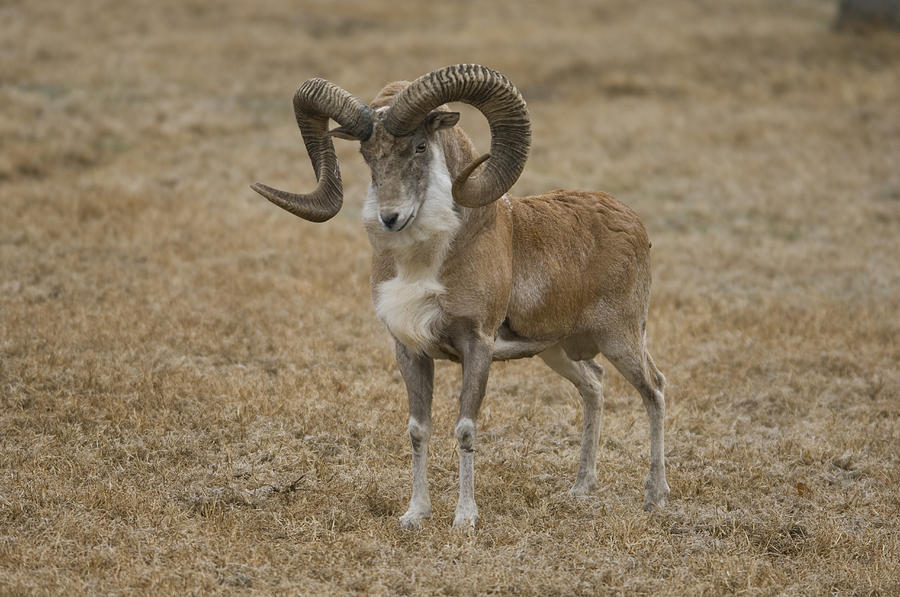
[(463, 271)]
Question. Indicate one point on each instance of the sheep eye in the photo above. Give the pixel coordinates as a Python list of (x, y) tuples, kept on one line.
[(420, 148)]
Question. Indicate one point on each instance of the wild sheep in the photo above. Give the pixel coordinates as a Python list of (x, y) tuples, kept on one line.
[(459, 275)]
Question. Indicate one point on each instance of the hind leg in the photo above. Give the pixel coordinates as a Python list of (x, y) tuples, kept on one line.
[(587, 377), (639, 369)]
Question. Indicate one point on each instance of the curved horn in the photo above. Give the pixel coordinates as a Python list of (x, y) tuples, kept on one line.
[(315, 102), (496, 98)]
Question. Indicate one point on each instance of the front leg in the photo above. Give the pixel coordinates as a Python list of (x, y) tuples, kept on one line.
[(418, 373), (476, 362)]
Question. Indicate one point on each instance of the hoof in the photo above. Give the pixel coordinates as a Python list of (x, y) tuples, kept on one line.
[(465, 519), (655, 498), (412, 521), (464, 524), (583, 488), (651, 506)]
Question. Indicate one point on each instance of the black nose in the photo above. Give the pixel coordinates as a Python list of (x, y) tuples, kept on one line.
[(389, 219)]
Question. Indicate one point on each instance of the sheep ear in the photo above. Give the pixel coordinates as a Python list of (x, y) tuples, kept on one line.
[(440, 120), (342, 133)]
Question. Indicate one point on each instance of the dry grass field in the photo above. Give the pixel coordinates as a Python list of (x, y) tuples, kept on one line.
[(196, 395)]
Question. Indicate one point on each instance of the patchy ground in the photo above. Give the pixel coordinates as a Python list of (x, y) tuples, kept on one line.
[(196, 396)]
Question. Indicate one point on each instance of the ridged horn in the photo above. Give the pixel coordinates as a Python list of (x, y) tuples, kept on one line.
[(502, 106), (315, 102)]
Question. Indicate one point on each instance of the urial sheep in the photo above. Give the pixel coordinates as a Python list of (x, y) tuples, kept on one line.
[(462, 271)]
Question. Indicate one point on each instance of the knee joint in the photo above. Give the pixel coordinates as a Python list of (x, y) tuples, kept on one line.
[(654, 400), (660, 380), (419, 433), (597, 368), (465, 434), (592, 385)]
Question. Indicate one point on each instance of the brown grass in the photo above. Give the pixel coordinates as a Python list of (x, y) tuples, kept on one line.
[(197, 397)]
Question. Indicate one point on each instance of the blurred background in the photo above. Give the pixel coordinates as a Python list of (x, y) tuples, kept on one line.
[(196, 393)]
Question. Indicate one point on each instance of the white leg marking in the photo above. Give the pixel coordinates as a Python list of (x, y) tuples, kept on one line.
[(592, 399), (587, 377), (657, 489), (420, 503), (466, 509), (586, 478)]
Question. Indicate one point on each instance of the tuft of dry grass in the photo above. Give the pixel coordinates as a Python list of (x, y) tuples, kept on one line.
[(196, 396)]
